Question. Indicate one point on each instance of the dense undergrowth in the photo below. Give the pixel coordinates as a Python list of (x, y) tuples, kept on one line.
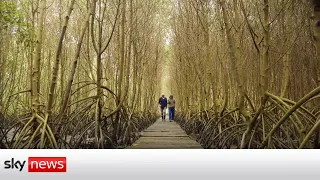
[(76, 132), (273, 128)]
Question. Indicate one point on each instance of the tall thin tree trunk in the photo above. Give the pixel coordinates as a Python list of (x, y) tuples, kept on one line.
[(234, 58), (316, 20), (73, 69), (37, 61), (122, 58), (57, 60), (264, 73)]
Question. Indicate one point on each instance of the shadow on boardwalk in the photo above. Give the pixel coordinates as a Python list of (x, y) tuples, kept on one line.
[(164, 135)]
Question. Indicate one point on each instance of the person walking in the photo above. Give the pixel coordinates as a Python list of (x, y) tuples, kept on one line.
[(171, 107), (163, 106)]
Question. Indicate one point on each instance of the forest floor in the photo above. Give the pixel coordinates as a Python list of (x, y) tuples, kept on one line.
[(165, 135)]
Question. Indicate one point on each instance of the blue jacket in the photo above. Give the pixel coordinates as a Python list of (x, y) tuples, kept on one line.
[(163, 102)]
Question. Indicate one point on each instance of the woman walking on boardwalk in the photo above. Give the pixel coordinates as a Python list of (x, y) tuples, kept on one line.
[(171, 107)]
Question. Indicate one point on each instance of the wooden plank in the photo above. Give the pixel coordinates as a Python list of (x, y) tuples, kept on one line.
[(165, 135)]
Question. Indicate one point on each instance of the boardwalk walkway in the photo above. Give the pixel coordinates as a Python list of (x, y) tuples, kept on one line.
[(164, 135)]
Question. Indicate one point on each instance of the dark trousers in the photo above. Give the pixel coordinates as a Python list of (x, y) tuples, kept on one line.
[(163, 114), (171, 113)]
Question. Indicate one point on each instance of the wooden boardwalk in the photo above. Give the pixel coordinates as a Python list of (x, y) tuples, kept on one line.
[(164, 135)]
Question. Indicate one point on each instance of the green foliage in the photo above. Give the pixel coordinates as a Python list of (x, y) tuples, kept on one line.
[(9, 15), (13, 21), (25, 33)]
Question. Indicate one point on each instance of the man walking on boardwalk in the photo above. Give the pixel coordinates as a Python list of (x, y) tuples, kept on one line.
[(163, 106)]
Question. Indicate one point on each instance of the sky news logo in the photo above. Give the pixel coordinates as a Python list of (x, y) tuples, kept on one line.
[(38, 164)]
